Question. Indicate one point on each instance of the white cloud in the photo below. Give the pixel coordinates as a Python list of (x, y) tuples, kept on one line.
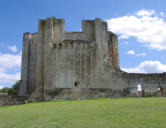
[(9, 68), (1, 87), (148, 28), (123, 37), (9, 78), (162, 14), (147, 67), (13, 48), (10, 61), (131, 52), (145, 12)]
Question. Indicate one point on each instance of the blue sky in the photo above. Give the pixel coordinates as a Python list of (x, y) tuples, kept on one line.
[(139, 24)]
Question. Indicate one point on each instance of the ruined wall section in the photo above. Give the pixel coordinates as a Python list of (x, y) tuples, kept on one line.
[(150, 82), (113, 50), (28, 67), (32, 64)]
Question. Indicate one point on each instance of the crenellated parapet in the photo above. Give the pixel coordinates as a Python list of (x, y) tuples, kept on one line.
[(53, 31), (59, 33)]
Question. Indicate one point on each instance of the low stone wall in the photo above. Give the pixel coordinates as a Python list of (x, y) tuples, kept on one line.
[(79, 93), (5, 99), (87, 93)]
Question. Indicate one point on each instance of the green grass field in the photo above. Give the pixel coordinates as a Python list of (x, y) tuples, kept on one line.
[(95, 113)]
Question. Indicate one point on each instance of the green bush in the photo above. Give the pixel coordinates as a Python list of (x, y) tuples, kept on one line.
[(15, 88), (4, 90)]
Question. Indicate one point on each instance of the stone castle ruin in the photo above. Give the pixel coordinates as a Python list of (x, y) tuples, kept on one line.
[(79, 65)]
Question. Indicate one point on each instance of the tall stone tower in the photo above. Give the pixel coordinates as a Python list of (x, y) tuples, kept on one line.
[(60, 64)]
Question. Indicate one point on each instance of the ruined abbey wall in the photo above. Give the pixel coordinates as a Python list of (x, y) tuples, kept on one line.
[(60, 64)]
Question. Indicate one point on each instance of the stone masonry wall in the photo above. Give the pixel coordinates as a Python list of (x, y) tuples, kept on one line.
[(5, 99), (28, 68), (78, 65)]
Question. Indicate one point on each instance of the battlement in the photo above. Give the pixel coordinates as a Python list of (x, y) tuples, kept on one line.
[(57, 27), (51, 34)]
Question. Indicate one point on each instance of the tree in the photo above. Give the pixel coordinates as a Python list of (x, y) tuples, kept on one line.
[(4, 90), (15, 88)]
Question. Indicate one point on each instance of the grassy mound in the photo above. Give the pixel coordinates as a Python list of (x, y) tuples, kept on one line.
[(96, 113)]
